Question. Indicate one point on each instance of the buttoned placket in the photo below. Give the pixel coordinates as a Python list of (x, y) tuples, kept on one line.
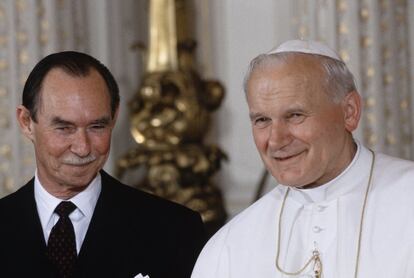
[(322, 228)]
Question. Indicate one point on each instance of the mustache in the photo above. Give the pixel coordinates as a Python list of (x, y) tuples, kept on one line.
[(77, 161)]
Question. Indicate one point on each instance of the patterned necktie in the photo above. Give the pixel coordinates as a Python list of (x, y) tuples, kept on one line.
[(61, 246)]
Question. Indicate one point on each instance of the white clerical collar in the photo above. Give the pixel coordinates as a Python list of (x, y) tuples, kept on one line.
[(353, 175), (85, 200)]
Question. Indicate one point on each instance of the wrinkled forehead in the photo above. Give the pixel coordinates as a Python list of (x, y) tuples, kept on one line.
[(58, 84), (301, 75), (301, 67)]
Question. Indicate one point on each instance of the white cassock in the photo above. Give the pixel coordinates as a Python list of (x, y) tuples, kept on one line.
[(326, 218)]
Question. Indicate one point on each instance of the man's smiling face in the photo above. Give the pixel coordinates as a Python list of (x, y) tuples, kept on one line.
[(72, 133), (303, 137)]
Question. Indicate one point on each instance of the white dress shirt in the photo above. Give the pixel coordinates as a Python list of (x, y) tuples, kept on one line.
[(85, 202)]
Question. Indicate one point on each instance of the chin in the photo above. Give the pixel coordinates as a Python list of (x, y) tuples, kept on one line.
[(289, 179), (80, 178), (289, 183), (78, 183)]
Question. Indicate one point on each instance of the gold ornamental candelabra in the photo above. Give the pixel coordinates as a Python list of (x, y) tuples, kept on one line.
[(170, 116)]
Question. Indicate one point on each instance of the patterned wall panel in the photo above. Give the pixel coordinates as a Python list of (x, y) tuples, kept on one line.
[(372, 37), (29, 30)]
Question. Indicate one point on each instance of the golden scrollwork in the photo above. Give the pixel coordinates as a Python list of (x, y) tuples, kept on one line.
[(170, 115)]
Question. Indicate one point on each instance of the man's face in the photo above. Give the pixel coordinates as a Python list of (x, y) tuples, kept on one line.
[(302, 136), (73, 131)]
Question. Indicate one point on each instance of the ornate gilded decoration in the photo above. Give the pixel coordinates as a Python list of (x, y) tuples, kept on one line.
[(170, 115), (163, 40)]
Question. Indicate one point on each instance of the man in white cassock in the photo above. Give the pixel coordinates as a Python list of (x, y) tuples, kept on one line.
[(340, 210)]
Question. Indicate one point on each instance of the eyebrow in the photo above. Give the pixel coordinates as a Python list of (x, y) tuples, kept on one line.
[(295, 109), (60, 121), (103, 121), (254, 115)]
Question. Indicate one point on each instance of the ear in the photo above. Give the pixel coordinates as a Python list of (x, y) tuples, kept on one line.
[(352, 110), (25, 122)]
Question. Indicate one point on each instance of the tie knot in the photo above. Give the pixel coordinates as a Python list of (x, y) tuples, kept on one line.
[(65, 208)]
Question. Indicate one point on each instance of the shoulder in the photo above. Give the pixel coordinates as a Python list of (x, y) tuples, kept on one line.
[(244, 235), (14, 208), (393, 180), (393, 170), (18, 199), (135, 201), (258, 213), (241, 234), (161, 224), (394, 163)]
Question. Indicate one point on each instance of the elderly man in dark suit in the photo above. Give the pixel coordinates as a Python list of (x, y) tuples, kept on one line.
[(73, 219)]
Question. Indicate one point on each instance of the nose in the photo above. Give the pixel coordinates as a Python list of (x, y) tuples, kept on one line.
[(279, 135), (81, 145)]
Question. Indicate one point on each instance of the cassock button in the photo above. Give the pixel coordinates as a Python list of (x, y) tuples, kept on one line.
[(316, 229)]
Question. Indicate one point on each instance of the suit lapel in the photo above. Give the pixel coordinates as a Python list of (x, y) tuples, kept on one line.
[(97, 226), (29, 229), (97, 247), (113, 245)]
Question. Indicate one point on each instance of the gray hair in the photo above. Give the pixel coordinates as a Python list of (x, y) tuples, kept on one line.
[(338, 82)]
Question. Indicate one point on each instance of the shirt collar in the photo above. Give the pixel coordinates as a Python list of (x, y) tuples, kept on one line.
[(85, 200), (354, 175)]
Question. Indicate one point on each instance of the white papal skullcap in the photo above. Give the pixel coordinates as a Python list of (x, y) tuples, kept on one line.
[(306, 46)]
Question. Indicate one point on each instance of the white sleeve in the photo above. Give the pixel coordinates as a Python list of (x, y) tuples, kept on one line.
[(214, 259)]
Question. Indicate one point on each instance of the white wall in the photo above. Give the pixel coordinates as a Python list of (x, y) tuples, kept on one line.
[(240, 30)]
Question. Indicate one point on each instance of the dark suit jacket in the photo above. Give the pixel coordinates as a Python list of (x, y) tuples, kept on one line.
[(131, 232)]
